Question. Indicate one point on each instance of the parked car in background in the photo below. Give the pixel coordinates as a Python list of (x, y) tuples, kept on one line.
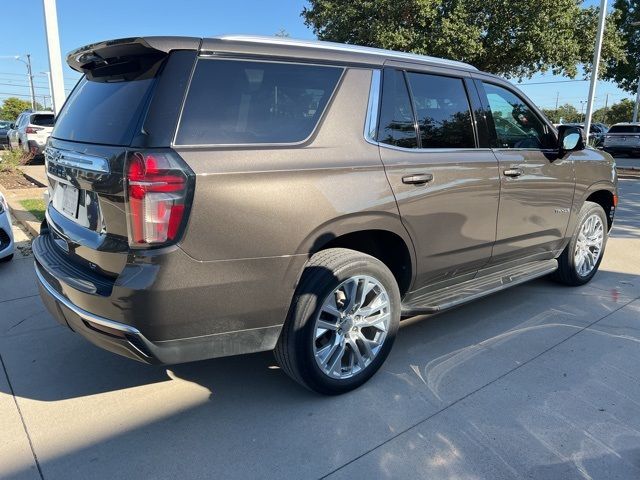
[(31, 131), (597, 132), (228, 195), (6, 234), (5, 126), (623, 138)]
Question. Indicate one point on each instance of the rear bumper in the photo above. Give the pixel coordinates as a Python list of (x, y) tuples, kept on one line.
[(128, 341), (36, 148)]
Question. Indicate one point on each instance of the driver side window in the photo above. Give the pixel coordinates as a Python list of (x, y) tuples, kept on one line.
[(517, 126)]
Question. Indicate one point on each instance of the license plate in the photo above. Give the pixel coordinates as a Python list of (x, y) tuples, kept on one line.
[(70, 201)]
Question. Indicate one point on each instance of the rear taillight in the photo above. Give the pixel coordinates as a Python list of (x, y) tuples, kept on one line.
[(157, 188), (33, 129)]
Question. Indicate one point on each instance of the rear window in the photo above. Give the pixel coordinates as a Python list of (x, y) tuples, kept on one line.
[(249, 102), (42, 120), (103, 112), (625, 129)]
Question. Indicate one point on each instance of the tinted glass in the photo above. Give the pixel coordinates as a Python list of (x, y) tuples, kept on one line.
[(625, 129), (442, 110), (242, 102), (103, 112), (517, 126), (397, 125), (42, 120)]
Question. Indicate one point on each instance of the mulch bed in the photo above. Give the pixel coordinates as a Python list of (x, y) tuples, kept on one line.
[(15, 181)]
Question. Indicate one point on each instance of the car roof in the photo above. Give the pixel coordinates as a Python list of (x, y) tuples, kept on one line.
[(86, 57)]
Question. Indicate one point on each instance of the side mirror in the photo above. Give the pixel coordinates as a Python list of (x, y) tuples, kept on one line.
[(570, 139), (12, 126)]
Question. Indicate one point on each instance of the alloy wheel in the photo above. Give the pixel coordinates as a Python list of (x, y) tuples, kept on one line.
[(589, 245), (351, 327)]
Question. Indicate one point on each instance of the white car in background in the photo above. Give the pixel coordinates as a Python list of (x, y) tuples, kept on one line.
[(31, 131), (6, 234)]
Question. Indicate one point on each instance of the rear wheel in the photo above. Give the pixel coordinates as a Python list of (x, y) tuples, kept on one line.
[(342, 322), (581, 259), (8, 258)]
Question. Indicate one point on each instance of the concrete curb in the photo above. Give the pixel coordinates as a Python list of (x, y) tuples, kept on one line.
[(24, 217), (32, 179)]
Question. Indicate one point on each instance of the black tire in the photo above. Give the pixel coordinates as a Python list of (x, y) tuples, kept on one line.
[(567, 272), (324, 272), (8, 258)]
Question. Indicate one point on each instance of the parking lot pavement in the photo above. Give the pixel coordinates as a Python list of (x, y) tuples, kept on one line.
[(540, 381)]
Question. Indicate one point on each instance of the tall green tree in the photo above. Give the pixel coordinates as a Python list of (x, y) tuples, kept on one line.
[(566, 113), (625, 70), (616, 113), (13, 106), (505, 37)]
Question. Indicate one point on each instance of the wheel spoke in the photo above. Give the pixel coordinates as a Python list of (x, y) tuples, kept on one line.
[(351, 290), (336, 359), (355, 351)]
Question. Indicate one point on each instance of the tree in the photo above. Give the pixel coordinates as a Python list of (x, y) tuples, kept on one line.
[(618, 112), (509, 38), (566, 113), (12, 107), (625, 70)]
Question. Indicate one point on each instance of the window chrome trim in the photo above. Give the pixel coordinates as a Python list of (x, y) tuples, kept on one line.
[(210, 57), (72, 159), (373, 108)]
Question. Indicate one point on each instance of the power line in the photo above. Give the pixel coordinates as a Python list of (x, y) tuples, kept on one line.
[(27, 86), (35, 75)]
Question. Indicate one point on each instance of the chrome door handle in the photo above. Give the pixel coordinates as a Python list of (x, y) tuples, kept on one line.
[(513, 172), (418, 179)]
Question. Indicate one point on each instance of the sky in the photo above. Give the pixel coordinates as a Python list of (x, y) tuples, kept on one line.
[(81, 22)]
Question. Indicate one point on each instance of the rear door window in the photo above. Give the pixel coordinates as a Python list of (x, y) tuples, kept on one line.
[(397, 123), (442, 111), (104, 112), (249, 102)]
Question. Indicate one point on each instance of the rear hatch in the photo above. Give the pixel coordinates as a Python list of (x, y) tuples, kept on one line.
[(623, 136), (40, 127), (105, 123)]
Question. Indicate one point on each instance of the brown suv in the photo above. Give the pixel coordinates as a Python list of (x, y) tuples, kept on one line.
[(228, 195)]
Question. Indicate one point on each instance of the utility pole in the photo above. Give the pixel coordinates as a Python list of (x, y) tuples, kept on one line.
[(48, 74), (30, 75), (595, 68), (55, 57), (557, 100), (606, 105), (635, 105)]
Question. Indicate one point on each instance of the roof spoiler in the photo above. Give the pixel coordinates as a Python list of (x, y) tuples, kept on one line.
[(118, 56)]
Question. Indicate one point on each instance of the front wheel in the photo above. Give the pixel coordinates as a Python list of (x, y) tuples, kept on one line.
[(342, 322), (581, 259)]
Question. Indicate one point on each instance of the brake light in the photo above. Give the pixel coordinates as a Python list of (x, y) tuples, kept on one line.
[(33, 129), (157, 187)]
